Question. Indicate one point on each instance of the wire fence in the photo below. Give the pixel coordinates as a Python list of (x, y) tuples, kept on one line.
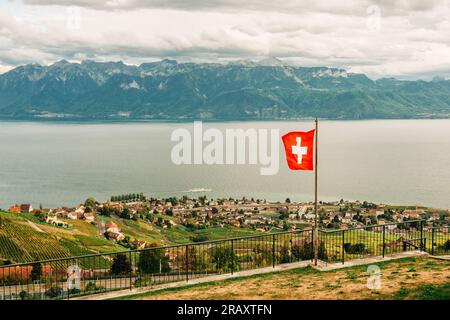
[(90, 274)]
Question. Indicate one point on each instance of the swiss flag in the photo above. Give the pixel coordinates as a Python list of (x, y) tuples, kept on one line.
[(299, 147)]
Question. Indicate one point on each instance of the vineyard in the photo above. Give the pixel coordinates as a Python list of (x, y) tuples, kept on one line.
[(21, 243)]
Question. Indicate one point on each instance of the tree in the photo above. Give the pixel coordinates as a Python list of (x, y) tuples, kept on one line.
[(120, 265), (285, 255), (202, 200), (36, 272), (357, 248), (288, 200), (305, 251), (225, 259), (284, 215), (153, 261), (262, 255), (126, 213), (126, 242), (24, 295), (197, 259), (54, 292), (106, 210), (90, 202), (446, 245), (200, 238)]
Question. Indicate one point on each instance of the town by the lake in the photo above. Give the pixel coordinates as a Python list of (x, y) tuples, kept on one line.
[(258, 215)]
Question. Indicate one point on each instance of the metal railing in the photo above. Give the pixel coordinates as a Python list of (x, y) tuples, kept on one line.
[(68, 277), (440, 240), (372, 241)]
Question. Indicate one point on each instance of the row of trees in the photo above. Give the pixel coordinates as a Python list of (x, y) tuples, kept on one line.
[(129, 197), (220, 258)]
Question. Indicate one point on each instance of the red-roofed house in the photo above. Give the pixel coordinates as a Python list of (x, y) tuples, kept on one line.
[(112, 227), (26, 207), (15, 209)]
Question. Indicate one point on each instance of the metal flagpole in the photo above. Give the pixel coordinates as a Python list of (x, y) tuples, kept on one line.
[(316, 224)]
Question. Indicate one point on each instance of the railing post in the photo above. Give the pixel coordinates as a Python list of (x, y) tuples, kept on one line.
[(187, 263), (67, 282), (384, 239), (421, 235), (432, 240), (343, 246), (131, 272), (273, 250), (232, 256)]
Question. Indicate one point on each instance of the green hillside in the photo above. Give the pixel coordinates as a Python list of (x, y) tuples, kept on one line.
[(25, 238)]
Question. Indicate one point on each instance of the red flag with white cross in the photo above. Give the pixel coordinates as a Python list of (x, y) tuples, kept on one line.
[(299, 147)]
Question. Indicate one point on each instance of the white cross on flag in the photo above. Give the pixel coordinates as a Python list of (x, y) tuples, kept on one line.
[(299, 147)]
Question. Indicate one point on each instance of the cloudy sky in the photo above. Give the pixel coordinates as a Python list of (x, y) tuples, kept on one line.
[(404, 39)]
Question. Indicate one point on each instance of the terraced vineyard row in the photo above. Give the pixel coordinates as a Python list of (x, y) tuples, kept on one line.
[(9, 250), (21, 243)]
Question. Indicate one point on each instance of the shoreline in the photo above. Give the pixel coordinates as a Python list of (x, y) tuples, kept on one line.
[(174, 121)]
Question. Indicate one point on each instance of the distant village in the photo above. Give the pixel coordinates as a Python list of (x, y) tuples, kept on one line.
[(256, 214)]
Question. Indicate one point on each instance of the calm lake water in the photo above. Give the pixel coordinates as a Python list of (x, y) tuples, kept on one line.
[(399, 162)]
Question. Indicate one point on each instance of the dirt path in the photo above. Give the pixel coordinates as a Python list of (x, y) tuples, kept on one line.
[(35, 227), (307, 283)]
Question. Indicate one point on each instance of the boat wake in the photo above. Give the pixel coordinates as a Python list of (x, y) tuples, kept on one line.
[(196, 190)]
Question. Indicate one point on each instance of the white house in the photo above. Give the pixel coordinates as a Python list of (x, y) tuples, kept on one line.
[(80, 209), (72, 215), (54, 220), (89, 217)]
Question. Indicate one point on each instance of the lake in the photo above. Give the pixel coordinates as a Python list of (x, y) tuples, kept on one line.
[(57, 163)]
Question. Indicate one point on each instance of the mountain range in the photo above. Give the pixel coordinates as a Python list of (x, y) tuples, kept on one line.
[(240, 90)]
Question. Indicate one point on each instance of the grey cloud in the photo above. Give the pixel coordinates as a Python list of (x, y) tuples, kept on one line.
[(256, 5), (353, 7), (306, 33)]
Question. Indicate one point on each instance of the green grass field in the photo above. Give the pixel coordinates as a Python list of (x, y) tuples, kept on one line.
[(420, 278)]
